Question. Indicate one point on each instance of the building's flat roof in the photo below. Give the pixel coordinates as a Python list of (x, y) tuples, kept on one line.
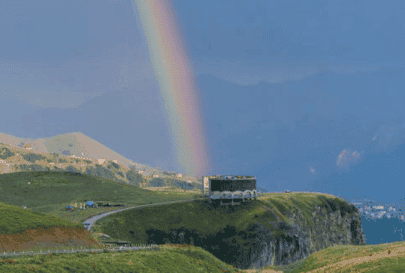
[(232, 177)]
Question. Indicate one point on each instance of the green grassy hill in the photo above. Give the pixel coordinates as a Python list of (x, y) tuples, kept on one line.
[(49, 192), (198, 219), (45, 218), (25, 230), (214, 229), (16, 220), (204, 220), (45, 197)]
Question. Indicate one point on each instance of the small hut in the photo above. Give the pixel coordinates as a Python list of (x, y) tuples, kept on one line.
[(70, 208), (90, 204)]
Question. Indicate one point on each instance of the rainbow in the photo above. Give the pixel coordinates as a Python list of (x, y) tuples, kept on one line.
[(176, 81)]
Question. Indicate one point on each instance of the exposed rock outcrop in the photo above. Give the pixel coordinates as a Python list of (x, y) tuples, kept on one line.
[(284, 243), (300, 239)]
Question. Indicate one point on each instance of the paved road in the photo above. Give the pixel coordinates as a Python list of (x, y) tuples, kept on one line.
[(88, 223)]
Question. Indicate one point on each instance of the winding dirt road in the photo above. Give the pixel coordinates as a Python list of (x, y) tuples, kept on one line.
[(88, 223)]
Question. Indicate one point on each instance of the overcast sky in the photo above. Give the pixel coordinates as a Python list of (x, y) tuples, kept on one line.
[(305, 95)]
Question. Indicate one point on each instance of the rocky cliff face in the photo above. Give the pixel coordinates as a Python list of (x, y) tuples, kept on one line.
[(279, 242), (300, 240)]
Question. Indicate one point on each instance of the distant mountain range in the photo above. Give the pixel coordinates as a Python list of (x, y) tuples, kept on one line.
[(71, 149), (68, 144)]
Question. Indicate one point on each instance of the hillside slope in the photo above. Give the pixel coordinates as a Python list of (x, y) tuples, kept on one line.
[(22, 230), (274, 230), (16, 159), (75, 145), (67, 144), (49, 192)]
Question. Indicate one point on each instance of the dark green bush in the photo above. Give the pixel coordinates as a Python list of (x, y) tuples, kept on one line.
[(5, 153), (134, 178), (23, 167), (157, 182), (113, 165), (72, 169), (33, 167), (101, 172), (87, 161), (172, 182), (32, 157), (37, 168), (62, 160)]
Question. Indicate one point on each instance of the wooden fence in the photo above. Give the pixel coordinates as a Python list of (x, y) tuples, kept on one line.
[(77, 250)]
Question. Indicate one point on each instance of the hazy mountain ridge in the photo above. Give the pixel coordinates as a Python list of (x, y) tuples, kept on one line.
[(68, 144), (74, 152)]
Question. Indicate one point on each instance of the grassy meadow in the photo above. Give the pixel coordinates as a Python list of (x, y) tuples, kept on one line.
[(382, 258), (48, 193)]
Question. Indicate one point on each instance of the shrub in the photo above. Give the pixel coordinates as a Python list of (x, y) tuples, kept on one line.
[(37, 168), (113, 164), (33, 167), (5, 153), (87, 161), (62, 160), (179, 184), (157, 182), (101, 172), (32, 157), (77, 160), (134, 178), (72, 169), (23, 167), (120, 174)]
